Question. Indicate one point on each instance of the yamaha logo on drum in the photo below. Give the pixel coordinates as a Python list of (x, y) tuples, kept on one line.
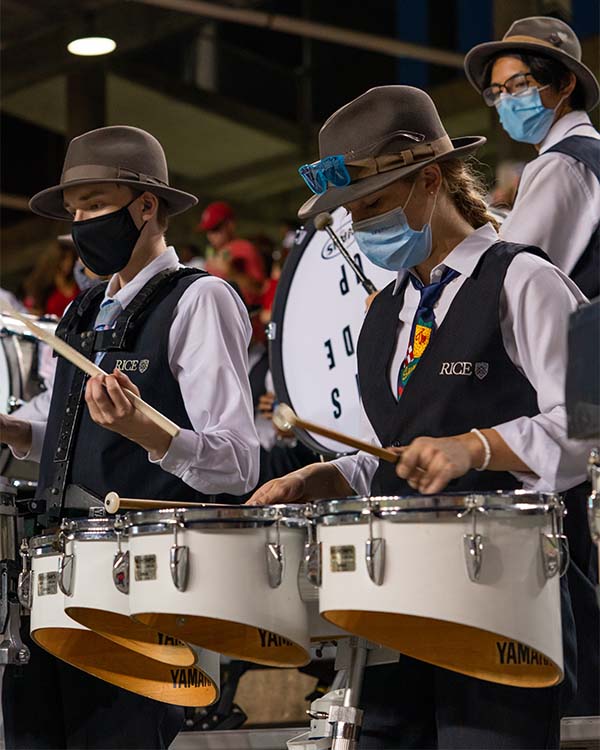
[(346, 235)]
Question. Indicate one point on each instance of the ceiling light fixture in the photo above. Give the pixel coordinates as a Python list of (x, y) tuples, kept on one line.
[(91, 46)]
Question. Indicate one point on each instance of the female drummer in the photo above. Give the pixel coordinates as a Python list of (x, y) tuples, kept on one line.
[(461, 367), (542, 91)]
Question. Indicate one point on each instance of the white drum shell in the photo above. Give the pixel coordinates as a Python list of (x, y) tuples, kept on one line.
[(228, 579), (425, 575)]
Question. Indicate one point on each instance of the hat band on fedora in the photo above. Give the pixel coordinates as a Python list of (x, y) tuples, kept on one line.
[(523, 38), (102, 172), (373, 165)]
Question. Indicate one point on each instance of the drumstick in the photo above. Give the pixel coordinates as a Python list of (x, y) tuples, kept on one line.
[(285, 419), (113, 503), (77, 359)]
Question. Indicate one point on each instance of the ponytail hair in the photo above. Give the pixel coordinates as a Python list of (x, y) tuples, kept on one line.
[(466, 190)]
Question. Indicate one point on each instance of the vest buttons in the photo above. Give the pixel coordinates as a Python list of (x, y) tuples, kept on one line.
[(396, 444)]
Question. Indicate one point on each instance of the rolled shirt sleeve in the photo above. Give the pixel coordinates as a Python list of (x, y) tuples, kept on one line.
[(359, 469), (208, 345)]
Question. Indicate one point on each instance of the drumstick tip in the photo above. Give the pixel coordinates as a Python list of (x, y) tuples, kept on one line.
[(284, 417), (112, 502)]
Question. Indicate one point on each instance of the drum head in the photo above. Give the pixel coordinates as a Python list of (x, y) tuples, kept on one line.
[(317, 316)]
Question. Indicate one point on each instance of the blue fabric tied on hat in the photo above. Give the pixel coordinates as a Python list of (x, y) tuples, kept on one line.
[(331, 170), (109, 311)]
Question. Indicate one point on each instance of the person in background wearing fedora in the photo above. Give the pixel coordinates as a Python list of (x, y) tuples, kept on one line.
[(182, 336), (494, 421), (541, 90)]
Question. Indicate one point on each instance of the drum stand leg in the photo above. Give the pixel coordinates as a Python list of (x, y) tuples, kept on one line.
[(594, 504), (347, 718)]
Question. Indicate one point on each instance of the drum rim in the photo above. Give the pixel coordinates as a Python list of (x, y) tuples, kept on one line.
[(291, 515), (355, 510), (89, 529), (275, 349), (44, 545)]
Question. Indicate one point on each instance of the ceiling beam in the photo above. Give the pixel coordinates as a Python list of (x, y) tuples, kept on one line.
[(313, 30), (43, 54), (233, 110)]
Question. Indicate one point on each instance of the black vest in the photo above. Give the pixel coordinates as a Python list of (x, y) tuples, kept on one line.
[(101, 460), (464, 379), (586, 273)]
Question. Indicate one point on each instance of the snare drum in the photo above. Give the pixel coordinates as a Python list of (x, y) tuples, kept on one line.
[(55, 631), (224, 577), (95, 580), (466, 582)]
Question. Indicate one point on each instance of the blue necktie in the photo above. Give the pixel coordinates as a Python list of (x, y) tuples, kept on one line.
[(106, 318), (423, 324)]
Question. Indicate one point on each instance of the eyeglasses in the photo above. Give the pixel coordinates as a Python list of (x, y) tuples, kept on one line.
[(331, 170), (517, 85)]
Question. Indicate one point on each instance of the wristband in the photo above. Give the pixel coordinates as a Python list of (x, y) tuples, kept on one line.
[(486, 448)]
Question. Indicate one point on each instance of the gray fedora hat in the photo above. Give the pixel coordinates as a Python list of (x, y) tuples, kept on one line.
[(542, 36), (385, 134), (119, 153)]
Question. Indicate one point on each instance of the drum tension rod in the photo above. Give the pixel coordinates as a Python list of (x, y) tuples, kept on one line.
[(120, 569), (374, 551), (473, 543), (179, 556), (24, 585), (275, 557)]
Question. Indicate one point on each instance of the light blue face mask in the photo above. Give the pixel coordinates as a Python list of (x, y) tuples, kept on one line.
[(524, 117), (390, 242)]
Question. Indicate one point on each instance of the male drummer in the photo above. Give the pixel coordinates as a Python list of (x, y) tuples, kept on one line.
[(182, 338)]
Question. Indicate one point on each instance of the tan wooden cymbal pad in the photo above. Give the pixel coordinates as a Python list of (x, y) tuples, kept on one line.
[(234, 639), (123, 667), (134, 635), (460, 648)]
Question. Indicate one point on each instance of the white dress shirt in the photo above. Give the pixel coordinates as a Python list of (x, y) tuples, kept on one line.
[(558, 202), (208, 345), (536, 302)]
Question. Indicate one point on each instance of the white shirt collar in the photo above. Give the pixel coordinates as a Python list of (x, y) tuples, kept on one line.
[(465, 256), (563, 126), (124, 295)]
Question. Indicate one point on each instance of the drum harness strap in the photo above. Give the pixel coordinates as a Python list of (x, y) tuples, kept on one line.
[(59, 495)]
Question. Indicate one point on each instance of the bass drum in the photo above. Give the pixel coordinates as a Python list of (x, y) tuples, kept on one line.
[(318, 312)]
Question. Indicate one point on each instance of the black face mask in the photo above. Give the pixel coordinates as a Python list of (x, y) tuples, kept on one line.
[(105, 243)]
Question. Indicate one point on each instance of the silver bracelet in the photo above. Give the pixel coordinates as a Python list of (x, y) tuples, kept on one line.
[(486, 448)]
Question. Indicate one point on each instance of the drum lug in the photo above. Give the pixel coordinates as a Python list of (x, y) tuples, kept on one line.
[(65, 574), (313, 562), (121, 571), (179, 557), (275, 562), (594, 497), (473, 549), (179, 564), (555, 554), (271, 331), (375, 558)]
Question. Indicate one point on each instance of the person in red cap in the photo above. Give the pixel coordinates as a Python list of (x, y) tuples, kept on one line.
[(234, 258)]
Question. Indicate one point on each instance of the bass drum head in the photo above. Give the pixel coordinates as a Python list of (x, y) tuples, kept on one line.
[(318, 312)]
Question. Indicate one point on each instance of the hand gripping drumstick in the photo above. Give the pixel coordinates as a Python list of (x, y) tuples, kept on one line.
[(113, 503), (285, 419), (324, 222), (77, 359)]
